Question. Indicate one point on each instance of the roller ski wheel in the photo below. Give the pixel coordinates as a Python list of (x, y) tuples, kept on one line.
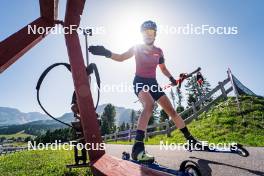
[(125, 156), (190, 168), (240, 150)]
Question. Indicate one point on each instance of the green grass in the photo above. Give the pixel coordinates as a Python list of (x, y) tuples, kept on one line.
[(223, 124), (16, 135), (39, 162)]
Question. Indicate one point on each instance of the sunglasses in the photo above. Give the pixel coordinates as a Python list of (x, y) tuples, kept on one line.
[(149, 32)]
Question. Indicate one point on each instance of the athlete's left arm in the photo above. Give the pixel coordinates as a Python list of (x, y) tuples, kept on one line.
[(164, 70)]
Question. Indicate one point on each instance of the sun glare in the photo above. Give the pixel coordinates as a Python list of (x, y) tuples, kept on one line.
[(126, 33)]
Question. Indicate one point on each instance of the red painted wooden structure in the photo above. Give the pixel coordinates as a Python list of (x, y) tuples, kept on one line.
[(13, 47)]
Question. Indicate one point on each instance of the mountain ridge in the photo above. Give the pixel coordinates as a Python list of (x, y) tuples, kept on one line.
[(14, 119)]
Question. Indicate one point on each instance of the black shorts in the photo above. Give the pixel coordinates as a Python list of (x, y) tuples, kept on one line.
[(148, 84)]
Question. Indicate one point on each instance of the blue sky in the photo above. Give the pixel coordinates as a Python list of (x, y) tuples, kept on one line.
[(243, 52)]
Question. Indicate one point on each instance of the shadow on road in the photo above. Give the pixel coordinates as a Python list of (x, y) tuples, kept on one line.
[(204, 164)]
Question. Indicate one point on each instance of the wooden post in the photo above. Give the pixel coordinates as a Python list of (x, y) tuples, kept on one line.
[(105, 137), (168, 132), (88, 115), (222, 90), (235, 90)]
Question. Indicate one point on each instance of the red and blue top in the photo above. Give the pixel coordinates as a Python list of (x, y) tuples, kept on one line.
[(147, 60)]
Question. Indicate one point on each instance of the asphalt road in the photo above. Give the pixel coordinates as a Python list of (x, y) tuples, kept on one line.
[(211, 164)]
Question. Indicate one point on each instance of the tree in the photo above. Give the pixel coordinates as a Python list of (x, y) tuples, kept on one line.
[(191, 88), (206, 88), (133, 118), (19, 139), (104, 126), (122, 127), (163, 116), (2, 138), (127, 126), (172, 95), (179, 96), (194, 91), (108, 120), (63, 135), (179, 109), (154, 117)]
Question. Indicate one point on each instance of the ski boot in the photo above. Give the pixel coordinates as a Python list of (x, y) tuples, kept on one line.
[(139, 154)]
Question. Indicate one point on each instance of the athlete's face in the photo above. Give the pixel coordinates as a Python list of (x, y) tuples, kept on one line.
[(149, 36)]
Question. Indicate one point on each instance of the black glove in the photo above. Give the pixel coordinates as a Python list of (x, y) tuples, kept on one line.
[(100, 50), (173, 81)]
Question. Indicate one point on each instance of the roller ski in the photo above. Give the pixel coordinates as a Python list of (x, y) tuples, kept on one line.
[(194, 145), (187, 167)]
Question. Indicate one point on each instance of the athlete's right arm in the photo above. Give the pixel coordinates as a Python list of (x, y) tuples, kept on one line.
[(124, 56), (102, 51)]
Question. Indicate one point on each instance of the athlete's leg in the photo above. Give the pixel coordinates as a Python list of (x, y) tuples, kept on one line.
[(138, 149), (165, 103), (148, 105)]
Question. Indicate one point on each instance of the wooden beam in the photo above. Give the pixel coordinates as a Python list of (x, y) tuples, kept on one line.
[(89, 120), (49, 9), (20, 42), (112, 166), (222, 89)]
